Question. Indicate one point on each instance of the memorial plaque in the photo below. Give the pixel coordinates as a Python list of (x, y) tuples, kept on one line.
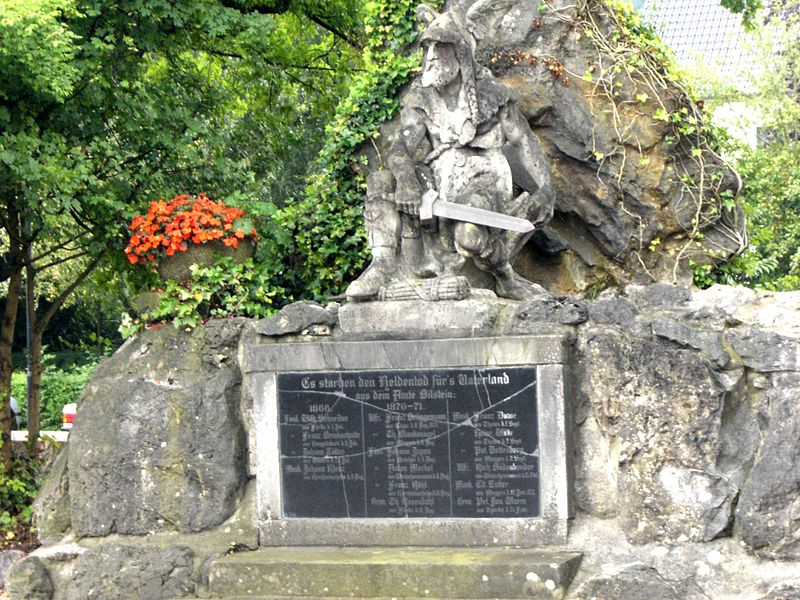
[(418, 443)]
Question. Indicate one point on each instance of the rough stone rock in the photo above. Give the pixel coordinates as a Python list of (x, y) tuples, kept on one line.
[(661, 295), (549, 309), (665, 439), (725, 297), (509, 26), (615, 311), (166, 564), (770, 311), (784, 591), (662, 408), (768, 513), (296, 317), (740, 436), (51, 514), (7, 560), (596, 470), (29, 579), (708, 343), (638, 582), (765, 351), (158, 442), (723, 569), (117, 572)]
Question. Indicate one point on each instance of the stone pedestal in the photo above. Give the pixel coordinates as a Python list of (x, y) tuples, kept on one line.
[(472, 317)]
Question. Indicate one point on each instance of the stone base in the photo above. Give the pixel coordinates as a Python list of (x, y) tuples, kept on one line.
[(415, 532), (390, 572), (410, 319)]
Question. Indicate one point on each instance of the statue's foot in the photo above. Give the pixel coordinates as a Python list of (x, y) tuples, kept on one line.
[(516, 287), (369, 283), (452, 264), (420, 262), (426, 270)]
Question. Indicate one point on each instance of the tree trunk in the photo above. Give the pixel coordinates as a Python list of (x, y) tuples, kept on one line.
[(34, 361), (7, 326), (98, 330), (35, 395), (38, 326)]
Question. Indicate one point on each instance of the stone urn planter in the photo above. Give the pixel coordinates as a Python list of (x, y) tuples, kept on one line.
[(178, 266)]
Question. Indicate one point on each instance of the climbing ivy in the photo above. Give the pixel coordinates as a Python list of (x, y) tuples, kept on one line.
[(326, 226)]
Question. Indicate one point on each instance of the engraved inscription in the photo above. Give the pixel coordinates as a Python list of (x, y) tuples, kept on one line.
[(423, 443)]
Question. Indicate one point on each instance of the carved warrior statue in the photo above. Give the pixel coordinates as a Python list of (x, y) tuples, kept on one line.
[(467, 179)]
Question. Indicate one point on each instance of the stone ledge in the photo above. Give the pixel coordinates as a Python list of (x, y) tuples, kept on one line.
[(409, 354), (384, 572), (416, 319), (414, 532)]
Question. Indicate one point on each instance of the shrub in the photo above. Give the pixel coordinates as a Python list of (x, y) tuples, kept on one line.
[(59, 387), (18, 489)]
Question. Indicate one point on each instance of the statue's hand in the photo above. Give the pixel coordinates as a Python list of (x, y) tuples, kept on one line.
[(408, 196), (408, 202)]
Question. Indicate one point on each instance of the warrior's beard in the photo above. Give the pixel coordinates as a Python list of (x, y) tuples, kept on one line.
[(438, 76)]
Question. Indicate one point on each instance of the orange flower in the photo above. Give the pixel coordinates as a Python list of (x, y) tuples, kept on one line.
[(167, 227)]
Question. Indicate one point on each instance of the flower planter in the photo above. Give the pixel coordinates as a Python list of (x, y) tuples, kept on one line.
[(178, 266)]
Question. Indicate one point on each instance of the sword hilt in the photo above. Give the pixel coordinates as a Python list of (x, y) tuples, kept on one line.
[(426, 206)]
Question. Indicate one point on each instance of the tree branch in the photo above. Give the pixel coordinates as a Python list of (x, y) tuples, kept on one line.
[(271, 63), (45, 318), (335, 31), (62, 246), (279, 7), (282, 6), (62, 260)]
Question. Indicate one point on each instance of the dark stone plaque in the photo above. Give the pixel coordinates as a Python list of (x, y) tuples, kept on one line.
[(422, 443)]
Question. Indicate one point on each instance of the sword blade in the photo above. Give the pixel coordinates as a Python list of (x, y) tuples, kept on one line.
[(479, 216)]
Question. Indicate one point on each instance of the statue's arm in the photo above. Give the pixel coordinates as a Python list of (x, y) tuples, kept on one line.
[(530, 167), (408, 192)]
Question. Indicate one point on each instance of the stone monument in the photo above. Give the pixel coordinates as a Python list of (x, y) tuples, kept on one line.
[(467, 178), (417, 424)]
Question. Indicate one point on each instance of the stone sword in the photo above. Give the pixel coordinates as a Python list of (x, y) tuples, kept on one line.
[(431, 205)]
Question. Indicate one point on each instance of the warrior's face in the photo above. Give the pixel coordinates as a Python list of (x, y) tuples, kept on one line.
[(440, 66)]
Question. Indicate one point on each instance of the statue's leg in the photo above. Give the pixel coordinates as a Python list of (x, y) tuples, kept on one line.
[(492, 252), (515, 240), (470, 239), (508, 283), (511, 284), (383, 228), (417, 256)]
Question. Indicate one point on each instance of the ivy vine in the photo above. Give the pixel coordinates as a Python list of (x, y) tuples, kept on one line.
[(328, 236)]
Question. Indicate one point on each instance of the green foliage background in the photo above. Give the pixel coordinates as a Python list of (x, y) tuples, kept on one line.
[(59, 387), (770, 170), (326, 226), (772, 199)]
